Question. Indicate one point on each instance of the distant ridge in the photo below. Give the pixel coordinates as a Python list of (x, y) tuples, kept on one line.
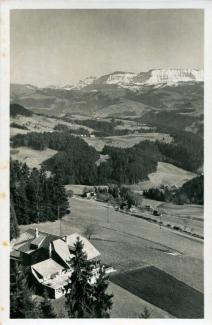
[(152, 77), (133, 80)]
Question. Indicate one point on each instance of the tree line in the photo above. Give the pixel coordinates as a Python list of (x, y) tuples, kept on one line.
[(54, 140), (129, 165), (34, 196), (104, 128), (78, 131), (187, 150), (77, 160), (191, 192)]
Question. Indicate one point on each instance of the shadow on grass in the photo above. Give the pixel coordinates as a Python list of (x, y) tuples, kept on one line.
[(162, 290)]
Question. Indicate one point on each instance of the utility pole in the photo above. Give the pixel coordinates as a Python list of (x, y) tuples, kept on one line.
[(58, 217), (38, 212), (108, 212)]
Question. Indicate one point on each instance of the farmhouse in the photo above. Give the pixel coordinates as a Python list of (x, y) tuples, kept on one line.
[(49, 258)]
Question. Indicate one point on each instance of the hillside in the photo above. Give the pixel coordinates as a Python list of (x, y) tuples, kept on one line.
[(166, 174), (121, 94), (16, 109)]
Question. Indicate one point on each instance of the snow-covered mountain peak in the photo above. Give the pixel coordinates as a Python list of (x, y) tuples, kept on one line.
[(155, 77), (173, 76), (135, 81), (86, 82), (120, 78)]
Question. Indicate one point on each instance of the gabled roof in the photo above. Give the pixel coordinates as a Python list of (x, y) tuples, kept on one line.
[(24, 237), (38, 240), (88, 248), (23, 243), (61, 248), (24, 248), (47, 267)]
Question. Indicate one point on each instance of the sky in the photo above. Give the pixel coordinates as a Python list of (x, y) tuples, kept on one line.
[(59, 47)]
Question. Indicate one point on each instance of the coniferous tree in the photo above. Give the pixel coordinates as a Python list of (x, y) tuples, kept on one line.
[(14, 230), (79, 294), (36, 197), (46, 307), (145, 313), (59, 194), (21, 303), (87, 297), (103, 301)]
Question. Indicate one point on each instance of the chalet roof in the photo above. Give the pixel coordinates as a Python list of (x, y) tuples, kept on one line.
[(24, 248), (43, 239), (61, 248), (38, 240), (47, 267), (88, 248), (24, 237)]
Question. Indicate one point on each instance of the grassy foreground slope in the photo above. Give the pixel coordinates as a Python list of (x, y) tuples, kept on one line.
[(163, 290)]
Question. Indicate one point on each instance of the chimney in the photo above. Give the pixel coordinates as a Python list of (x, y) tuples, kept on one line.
[(50, 250), (36, 233)]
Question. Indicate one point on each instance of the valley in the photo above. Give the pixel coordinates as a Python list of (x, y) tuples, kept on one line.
[(128, 151)]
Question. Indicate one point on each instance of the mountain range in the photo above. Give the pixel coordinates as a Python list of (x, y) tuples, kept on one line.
[(136, 80), (125, 93)]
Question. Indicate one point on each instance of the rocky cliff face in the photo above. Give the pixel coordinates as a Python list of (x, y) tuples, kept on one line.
[(152, 77)]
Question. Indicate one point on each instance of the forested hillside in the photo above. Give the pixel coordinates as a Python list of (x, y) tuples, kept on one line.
[(191, 192), (77, 160), (34, 196), (16, 109)]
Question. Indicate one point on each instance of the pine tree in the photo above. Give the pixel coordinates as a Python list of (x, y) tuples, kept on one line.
[(14, 230), (46, 307), (34, 196), (145, 313), (103, 301), (79, 296), (59, 196), (21, 303)]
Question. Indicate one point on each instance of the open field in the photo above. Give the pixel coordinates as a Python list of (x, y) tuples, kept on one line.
[(127, 243), (163, 290), (188, 217), (125, 107), (125, 305), (33, 158), (127, 141), (79, 189), (190, 210), (14, 131), (40, 123), (139, 242), (166, 174), (128, 305)]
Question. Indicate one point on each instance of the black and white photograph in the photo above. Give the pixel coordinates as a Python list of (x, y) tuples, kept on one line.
[(106, 163)]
